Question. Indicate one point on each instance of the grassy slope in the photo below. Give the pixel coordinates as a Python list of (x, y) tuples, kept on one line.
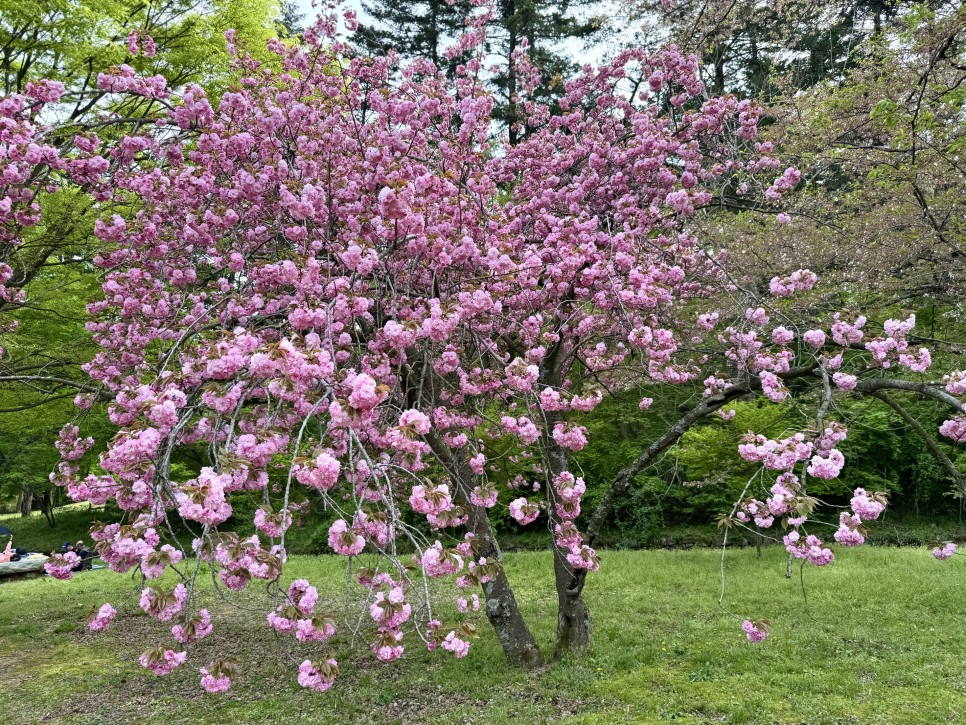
[(880, 641)]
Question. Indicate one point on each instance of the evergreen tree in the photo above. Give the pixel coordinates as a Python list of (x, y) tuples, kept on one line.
[(747, 46), (291, 19), (414, 28), (546, 26), (423, 29)]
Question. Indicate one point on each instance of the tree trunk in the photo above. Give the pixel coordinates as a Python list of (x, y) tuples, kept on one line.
[(47, 507), (508, 10), (25, 502), (511, 629), (500, 604), (574, 623), (502, 610)]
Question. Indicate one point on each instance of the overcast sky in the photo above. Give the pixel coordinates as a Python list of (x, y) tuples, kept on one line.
[(306, 7)]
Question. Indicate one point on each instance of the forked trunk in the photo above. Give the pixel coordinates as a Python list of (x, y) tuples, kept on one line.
[(574, 625)]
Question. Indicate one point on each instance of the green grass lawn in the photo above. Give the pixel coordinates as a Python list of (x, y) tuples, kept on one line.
[(881, 640)]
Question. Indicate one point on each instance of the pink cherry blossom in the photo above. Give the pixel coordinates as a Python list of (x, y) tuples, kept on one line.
[(214, 683), (162, 661), (523, 511), (756, 632), (318, 677), (196, 628), (344, 540), (954, 429), (101, 620), (163, 605), (945, 551), (866, 507), (61, 566), (815, 338)]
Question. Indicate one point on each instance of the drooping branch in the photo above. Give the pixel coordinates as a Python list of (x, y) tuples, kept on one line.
[(101, 393), (938, 453), (671, 436)]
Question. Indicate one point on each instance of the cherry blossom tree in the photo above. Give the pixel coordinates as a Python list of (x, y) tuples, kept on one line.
[(339, 284)]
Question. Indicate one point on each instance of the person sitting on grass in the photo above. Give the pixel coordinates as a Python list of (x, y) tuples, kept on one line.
[(8, 552), (80, 548)]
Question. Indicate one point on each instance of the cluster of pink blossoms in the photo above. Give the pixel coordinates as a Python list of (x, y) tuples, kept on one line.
[(945, 551), (788, 500), (954, 429), (755, 631), (241, 560), (345, 540), (389, 611), (799, 281), (272, 524), (850, 530), (101, 619), (523, 511), (139, 41), (214, 679), (205, 500), (782, 502), (318, 677), (163, 661), (438, 562), (194, 629), (810, 547), (828, 461), (155, 562), (61, 566), (164, 605), (296, 614), (777, 455), (123, 547)]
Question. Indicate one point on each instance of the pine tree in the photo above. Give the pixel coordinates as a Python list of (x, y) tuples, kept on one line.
[(545, 26), (414, 28), (746, 45), (423, 29), (291, 18)]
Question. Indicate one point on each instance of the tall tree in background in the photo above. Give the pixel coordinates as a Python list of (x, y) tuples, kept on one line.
[(424, 28), (746, 45), (414, 28), (545, 29), (292, 18)]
